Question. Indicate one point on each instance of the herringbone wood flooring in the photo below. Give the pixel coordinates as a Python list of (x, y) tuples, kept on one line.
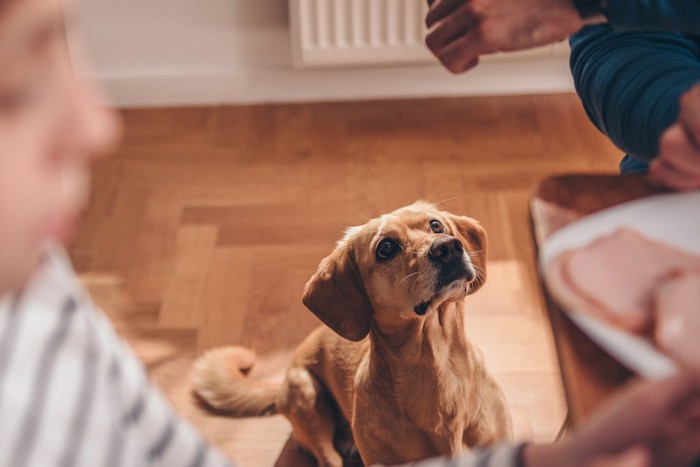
[(204, 228)]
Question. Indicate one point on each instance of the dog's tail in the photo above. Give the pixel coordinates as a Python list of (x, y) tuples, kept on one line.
[(219, 380)]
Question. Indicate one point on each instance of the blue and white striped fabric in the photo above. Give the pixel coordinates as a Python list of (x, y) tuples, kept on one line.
[(71, 391), (505, 455)]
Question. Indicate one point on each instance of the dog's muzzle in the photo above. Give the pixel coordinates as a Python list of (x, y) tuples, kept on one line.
[(448, 255), (452, 263)]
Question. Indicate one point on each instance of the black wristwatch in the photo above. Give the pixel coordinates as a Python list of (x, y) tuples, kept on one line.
[(592, 11)]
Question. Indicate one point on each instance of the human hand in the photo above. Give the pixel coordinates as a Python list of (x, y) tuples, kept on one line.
[(635, 457), (459, 31), (678, 163), (660, 419), (662, 416)]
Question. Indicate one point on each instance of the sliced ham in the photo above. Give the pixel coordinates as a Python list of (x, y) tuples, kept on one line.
[(615, 277), (677, 313)]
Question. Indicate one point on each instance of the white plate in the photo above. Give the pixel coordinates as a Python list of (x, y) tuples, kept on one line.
[(669, 218)]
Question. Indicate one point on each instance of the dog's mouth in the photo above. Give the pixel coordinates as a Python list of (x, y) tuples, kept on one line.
[(455, 272), (449, 281)]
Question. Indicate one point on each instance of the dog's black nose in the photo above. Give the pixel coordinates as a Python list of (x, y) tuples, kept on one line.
[(446, 249)]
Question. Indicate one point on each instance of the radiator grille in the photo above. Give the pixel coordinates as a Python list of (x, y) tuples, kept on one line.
[(357, 32), (328, 33)]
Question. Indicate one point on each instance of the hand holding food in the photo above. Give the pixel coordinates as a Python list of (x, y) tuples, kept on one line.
[(637, 284)]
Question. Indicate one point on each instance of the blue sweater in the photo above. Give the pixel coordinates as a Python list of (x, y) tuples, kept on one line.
[(631, 73)]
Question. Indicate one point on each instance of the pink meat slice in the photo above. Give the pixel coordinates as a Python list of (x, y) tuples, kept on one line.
[(677, 313), (614, 277)]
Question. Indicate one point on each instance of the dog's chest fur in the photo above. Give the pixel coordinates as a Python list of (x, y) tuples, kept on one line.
[(426, 382), (428, 394)]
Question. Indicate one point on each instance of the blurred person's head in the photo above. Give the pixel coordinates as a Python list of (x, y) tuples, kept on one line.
[(53, 124)]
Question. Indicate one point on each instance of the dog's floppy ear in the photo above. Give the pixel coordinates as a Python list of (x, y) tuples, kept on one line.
[(473, 237), (337, 296)]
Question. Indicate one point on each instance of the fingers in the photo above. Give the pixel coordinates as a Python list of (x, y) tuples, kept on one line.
[(678, 387), (457, 24), (678, 163), (461, 55), (680, 446), (671, 394), (663, 400), (455, 40), (693, 414), (439, 9), (690, 114), (670, 177), (462, 30), (644, 413), (677, 149), (634, 457)]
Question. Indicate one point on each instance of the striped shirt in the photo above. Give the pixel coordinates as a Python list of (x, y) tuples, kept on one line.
[(73, 394), (505, 455), (71, 391)]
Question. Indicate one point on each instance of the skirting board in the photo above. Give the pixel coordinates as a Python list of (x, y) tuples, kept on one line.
[(214, 87)]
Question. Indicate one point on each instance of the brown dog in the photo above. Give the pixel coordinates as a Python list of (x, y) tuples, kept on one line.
[(394, 361)]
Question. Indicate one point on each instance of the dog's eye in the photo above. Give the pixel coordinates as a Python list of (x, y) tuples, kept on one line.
[(437, 227), (386, 249)]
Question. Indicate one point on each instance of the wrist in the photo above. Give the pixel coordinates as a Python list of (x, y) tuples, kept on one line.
[(592, 11)]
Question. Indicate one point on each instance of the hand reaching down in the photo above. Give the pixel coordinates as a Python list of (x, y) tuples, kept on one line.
[(648, 424), (459, 31)]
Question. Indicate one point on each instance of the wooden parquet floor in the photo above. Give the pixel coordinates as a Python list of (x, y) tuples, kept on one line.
[(205, 226)]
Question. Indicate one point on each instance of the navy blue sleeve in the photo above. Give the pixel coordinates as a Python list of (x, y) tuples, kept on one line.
[(658, 15), (630, 83)]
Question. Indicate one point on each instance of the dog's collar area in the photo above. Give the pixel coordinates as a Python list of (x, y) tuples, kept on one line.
[(421, 309)]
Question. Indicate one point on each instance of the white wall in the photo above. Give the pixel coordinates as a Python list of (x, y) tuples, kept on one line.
[(188, 52)]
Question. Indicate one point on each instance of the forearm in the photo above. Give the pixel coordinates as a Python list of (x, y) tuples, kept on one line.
[(630, 83), (657, 15)]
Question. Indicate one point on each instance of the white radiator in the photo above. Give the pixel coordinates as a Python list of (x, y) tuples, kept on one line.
[(331, 33), (357, 32)]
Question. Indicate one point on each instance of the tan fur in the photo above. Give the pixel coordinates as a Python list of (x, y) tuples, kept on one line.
[(219, 371), (409, 386)]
